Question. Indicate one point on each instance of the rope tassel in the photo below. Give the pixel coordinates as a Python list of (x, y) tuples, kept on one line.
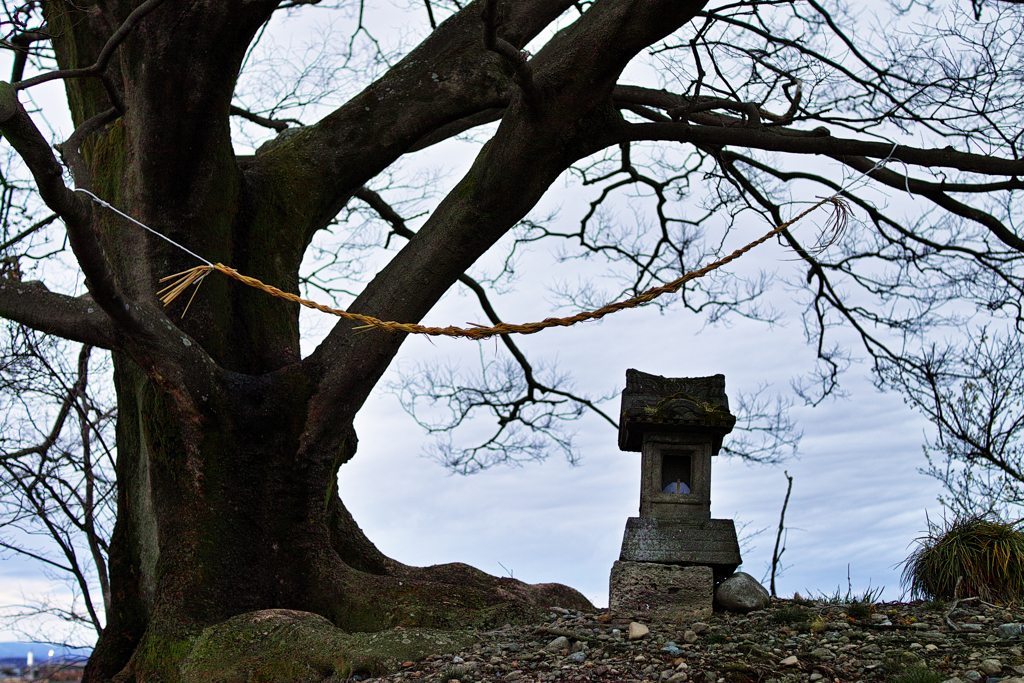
[(184, 280)]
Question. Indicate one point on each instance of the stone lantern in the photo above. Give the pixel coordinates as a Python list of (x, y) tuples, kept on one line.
[(673, 553)]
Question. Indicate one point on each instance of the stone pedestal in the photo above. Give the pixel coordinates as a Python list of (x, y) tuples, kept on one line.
[(664, 591), (710, 542)]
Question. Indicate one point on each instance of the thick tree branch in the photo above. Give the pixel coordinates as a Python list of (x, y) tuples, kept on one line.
[(141, 330), (70, 149), (804, 142), (512, 56), (398, 225), (450, 130), (450, 76), (76, 318), (22, 134)]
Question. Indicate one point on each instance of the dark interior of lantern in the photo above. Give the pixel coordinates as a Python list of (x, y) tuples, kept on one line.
[(677, 467)]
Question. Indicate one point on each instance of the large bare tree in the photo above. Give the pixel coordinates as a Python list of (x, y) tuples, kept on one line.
[(229, 441)]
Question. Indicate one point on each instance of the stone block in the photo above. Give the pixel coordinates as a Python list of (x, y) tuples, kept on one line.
[(709, 542), (661, 590)]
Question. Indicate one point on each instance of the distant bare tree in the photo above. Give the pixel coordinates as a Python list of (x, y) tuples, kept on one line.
[(57, 494), (974, 395)]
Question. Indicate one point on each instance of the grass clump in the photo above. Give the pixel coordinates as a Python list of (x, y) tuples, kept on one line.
[(790, 615), (918, 674), (454, 672), (976, 555), (859, 610)]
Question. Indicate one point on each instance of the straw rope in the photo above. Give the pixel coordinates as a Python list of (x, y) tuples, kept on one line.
[(180, 282)]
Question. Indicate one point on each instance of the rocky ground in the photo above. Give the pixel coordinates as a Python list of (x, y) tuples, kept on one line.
[(793, 640)]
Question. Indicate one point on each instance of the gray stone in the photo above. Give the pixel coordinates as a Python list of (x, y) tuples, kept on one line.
[(690, 637), (991, 666), (558, 644), (1010, 630), (637, 630), (668, 591), (741, 593), (711, 541)]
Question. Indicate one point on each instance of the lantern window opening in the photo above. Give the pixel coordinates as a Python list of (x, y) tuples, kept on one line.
[(677, 472)]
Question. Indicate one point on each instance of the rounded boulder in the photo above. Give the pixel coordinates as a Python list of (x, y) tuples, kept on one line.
[(741, 593)]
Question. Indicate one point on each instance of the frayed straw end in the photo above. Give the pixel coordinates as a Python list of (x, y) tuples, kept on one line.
[(182, 281), (835, 227)]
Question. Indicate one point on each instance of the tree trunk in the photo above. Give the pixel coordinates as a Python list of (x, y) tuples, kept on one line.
[(218, 517)]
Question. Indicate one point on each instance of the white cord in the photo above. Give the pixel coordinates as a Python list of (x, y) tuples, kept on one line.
[(142, 225)]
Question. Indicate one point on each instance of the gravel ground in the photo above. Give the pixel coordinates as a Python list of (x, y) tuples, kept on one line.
[(793, 640)]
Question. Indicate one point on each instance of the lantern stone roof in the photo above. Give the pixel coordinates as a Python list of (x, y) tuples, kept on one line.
[(695, 405)]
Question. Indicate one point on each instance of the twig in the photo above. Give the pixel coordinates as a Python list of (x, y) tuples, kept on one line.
[(28, 231), (777, 554), (955, 603)]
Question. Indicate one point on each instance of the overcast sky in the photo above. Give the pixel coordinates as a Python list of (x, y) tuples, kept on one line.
[(857, 503)]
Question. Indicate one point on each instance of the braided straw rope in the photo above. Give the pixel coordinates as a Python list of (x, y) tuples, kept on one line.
[(181, 281)]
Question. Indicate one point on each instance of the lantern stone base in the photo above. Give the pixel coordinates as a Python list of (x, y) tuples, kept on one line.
[(666, 591), (710, 542)]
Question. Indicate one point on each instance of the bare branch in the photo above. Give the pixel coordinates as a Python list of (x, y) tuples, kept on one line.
[(935, 192), (38, 225), (279, 125), (97, 70), (21, 44), (805, 142)]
